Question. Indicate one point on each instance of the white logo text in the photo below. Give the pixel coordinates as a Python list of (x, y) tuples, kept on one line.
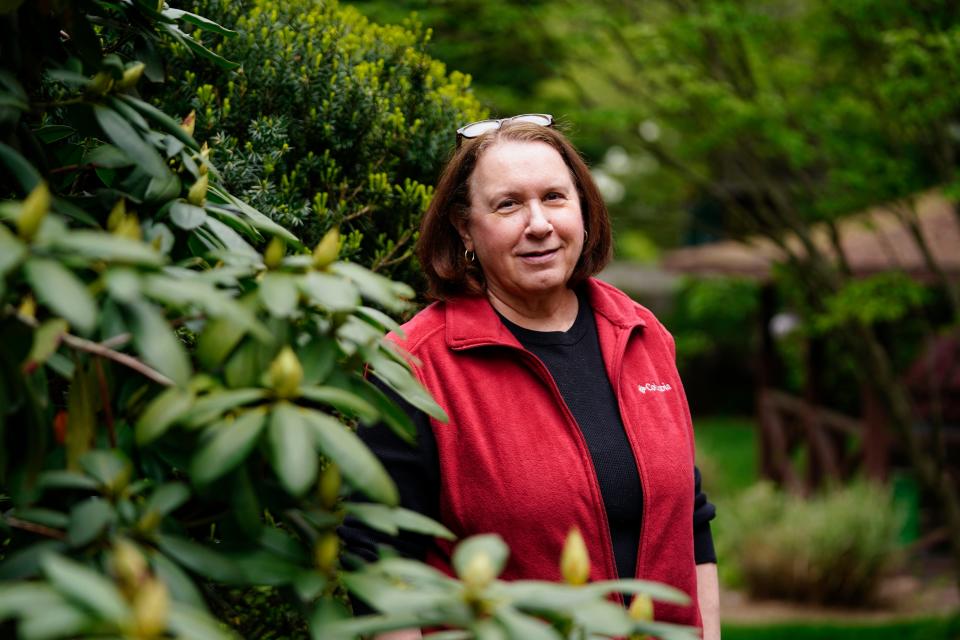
[(653, 386)]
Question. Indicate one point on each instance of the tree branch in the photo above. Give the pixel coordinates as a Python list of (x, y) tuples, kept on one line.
[(33, 527)]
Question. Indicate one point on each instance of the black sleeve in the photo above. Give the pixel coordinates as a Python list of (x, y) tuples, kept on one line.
[(416, 471), (703, 512)]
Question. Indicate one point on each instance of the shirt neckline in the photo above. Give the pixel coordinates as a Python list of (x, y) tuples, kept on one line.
[(571, 336)]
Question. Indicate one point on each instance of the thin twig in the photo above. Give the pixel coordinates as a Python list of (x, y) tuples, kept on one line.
[(82, 344), (33, 527)]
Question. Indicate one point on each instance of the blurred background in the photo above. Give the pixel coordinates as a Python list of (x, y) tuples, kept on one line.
[(783, 178)]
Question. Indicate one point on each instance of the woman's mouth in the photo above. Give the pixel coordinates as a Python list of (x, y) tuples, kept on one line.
[(539, 256)]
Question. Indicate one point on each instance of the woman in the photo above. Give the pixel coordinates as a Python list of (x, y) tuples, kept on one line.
[(564, 401)]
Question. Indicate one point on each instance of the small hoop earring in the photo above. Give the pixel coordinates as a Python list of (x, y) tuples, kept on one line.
[(469, 256), (586, 236)]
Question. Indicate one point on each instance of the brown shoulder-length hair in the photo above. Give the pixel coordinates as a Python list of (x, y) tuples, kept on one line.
[(440, 248)]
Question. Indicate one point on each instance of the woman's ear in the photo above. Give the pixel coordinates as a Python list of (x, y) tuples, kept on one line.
[(463, 228)]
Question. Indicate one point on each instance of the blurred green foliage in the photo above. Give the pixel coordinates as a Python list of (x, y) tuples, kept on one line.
[(330, 121), (831, 548), (714, 322)]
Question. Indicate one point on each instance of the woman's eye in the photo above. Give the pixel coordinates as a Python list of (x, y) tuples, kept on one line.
[(507, 205), (554, 195)]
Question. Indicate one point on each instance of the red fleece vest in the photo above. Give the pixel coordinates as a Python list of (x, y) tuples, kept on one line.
[(513, 460)]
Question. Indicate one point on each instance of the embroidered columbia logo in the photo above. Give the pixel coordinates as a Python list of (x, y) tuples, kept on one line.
[(653, 386)]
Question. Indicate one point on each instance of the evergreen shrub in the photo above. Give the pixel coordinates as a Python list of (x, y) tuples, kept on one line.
[(331, 120)]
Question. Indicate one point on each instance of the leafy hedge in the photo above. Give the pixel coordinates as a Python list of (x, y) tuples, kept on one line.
[(330, 121), (181, 380)]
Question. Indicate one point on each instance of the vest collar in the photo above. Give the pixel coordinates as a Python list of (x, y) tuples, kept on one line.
[(472, 322)]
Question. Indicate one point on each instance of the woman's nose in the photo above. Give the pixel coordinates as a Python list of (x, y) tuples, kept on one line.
[(538, 223)]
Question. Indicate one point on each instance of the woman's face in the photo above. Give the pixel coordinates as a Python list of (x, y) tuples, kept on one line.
[(525, 223)]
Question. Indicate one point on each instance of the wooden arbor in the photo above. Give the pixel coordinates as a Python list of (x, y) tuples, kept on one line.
[(795, 428)]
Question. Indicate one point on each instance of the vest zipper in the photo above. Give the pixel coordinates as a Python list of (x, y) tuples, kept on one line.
[(541, 370), (618, 369)]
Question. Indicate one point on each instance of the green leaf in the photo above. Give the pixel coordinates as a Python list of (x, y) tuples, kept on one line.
[(257, 219), (162, 412), (160, 118), (278, 292), (200, 559), (198, 21), (108, 157), (187, 216), (230, 239), (213, 405), (98, 245), (27, 597), (489, 544), (383, 594), (162, 189), (373, 286), (604, 617), (67, 208), (85, 586), (60, 479), (264, 568), (293, 453), (12, 251), (318, 357), (25, 562), (379, 319), (359, 466), (110, 467), (20, 168), (342, 400), (329, 292), (522, 627), (246, 365), (181, 586), (201, 50), (46, 340), (61, 620), (88, 520), (230, 444), (327, 612), (81, 412), (62, 292), (123, 135), (396, 418), (8, 101), (167, 498), (398, 378), (157, 343), (391, 519), (194, 624), (54, 133), (655, 590)]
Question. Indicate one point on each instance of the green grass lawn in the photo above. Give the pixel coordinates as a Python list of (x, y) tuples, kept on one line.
[(726, 454), (921, 629)]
